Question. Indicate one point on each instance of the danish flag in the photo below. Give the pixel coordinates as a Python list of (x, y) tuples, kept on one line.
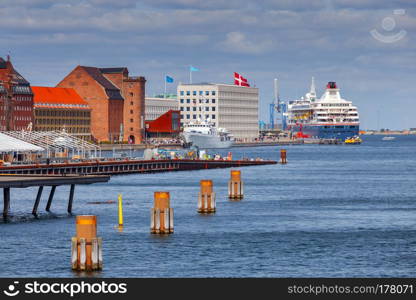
[(240, 80)]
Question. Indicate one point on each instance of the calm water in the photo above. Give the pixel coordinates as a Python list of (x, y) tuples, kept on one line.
[(332, 211)]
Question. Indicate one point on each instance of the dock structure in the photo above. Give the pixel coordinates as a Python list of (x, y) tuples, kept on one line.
[(8, 181), (128, 166)]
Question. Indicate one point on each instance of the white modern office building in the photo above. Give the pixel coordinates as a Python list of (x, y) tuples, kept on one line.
[(232, 107), (157, 106)]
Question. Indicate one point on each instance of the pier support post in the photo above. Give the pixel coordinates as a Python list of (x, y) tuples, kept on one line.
[(51, 194), (35, 206), (283, 156), (235, 186), (71, 198), (86, 250), (161, 216), (206, 197), (6, 201)]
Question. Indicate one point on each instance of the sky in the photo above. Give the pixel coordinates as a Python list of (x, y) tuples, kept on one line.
[(366, 46)]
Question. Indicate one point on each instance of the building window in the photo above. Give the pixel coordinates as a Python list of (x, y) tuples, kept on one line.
[(188, 100), (131, 111), (194, 93), (131, 94), (194, 108), (131, 128), (131, 120), (193, 116), (213, 108), (181, 108), (188, 93), (213, 100), (213, 93), (206, 93), (181, 116), (213, 117), (131, 103), (182, 93), (182, 101), (207, 108), (188, 108), (201, 93), (188, 116)]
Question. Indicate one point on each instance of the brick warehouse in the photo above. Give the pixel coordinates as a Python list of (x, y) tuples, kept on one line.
[(116, 101), (19, 114)]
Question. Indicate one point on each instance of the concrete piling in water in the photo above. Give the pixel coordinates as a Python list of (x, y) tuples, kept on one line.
[(161, 215), (86, 252), (206, 197), (283, 156), (235, 186)]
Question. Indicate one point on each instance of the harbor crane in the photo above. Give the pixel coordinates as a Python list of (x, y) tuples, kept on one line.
[(275, 105)]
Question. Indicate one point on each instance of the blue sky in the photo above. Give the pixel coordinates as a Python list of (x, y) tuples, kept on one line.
[(292, 40)]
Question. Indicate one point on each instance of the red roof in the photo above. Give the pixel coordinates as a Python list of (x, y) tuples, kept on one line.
[(58, 97)]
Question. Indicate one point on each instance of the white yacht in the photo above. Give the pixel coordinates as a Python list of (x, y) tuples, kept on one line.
[(205, 135)]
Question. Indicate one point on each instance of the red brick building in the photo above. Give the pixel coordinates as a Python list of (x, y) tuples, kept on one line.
[(16, 99), (116, 101)]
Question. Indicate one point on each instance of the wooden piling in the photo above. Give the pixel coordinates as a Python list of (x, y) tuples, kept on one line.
[(206, 197), (235, 186), (86, 246), (161, 216)]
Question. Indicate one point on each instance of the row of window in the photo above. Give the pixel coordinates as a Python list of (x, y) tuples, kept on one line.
[(19, 98), (23, 108), (62, 113), (62, 121), (335, 104), (194, 93), (207, 101), (195, 109), (18, 128), (67, 129), (23, 118), (188, 116)]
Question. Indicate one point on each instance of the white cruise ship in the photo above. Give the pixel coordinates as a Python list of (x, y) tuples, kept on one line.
[(330, 117), (205, 135)]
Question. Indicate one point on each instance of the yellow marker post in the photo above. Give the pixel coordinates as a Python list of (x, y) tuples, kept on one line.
[(120, 210)]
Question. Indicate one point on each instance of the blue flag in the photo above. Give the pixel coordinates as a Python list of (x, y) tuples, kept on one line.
[(193, 69), (169, 79)]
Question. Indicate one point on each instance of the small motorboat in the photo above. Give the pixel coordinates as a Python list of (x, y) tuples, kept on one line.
[(355, 140), (388, 138)]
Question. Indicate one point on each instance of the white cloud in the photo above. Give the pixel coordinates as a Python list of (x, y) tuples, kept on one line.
[(237, 42)]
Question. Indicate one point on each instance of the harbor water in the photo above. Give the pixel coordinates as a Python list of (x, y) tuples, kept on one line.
[(332, 211)]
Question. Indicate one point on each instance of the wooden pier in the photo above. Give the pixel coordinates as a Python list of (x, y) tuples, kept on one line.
[(22, 181), (117, 167)]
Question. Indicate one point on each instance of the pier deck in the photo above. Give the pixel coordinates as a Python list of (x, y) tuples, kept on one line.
[(22, 181), (118, 167)]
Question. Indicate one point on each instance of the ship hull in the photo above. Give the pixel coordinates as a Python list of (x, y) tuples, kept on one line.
[(205, 141), (335, 131)]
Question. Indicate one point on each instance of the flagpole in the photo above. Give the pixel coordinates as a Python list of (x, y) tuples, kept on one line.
[(165, 89), (190, 75)]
